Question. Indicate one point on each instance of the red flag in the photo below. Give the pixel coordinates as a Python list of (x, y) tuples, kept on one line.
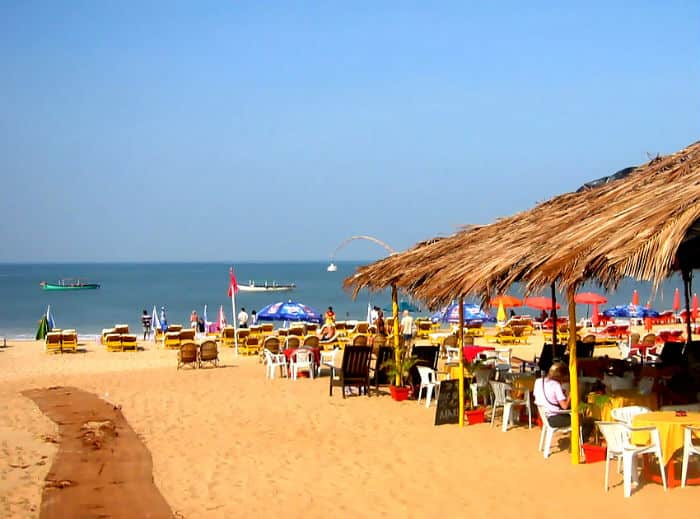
[(233, 284)]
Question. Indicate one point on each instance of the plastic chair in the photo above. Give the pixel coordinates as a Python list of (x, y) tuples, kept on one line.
[(502, 397), (626, 414), (481, 377), (619, 446), (452, 354), (327, 361), (548, 431), (273, 361), (302, 360), (428, 381), (688, 448)]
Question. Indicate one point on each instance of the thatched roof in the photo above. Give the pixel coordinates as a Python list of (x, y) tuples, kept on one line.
[(643, 225)]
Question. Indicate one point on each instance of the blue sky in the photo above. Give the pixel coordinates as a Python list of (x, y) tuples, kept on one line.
[(238, 131)]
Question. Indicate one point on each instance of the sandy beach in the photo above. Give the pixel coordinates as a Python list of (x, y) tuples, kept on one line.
[(229, 443)]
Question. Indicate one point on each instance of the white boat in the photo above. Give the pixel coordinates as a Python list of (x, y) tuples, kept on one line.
[(253, 286), (332, 267)]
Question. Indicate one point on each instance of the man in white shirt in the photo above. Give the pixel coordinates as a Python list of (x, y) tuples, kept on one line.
[(406, 327), (242, 318)]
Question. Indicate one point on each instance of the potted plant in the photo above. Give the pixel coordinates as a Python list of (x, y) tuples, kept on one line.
[(397, 370)]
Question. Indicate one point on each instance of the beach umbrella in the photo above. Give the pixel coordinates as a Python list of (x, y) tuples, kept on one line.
[(595, 318), (630, 311), (506, 301), (540, 303), (43, 328), (222, 318), (501, 314), (694, 309), (450, 314), (635, 298), (289, 311), (676, 301), (590, 298)]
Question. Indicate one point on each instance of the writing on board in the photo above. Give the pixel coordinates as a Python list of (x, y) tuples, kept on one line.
[(447, 410)]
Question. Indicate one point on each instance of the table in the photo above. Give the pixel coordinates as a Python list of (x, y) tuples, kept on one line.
[(671, 433), (601, 406), (471, 352)]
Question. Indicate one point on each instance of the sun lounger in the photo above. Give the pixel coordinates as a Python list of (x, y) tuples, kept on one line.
[(53, 342), (113, 342), (228, 337), (69, 340), (172, 340), (208, 352), (121, 328), (128, 342), (187, 355)]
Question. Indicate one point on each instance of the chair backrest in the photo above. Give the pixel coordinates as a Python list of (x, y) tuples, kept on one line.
[(503, 355), (311, 341), (188, 352), (356, 361), (467, 340), (359, 340), (187, 335), (361, 327), (384, 353), (272, 344), (649, 339), (483, 375), (297, 330), (451, 341), (54, 338), (499, 391), (263, 328), (427, 375), (615, 434), (378, 341), (174, 327), (302, 356), (242, 333), (292, 341), (311, 328), (208, 351), (252, 340), (634, 339), (452, 354), (121, 328), (228, 332), (626, 414), (427, 355), (283, 332)]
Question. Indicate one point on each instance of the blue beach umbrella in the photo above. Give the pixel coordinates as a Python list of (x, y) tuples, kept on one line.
[(472, 312), (289, 311), (637, 311)]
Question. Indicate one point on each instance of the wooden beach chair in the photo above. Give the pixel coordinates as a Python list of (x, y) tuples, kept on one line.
[(172, 340), (423, 329), (252, 345), (228, 337), (188, 355), (69, 340), (129, 342), (52, 342), (121, 328), (209, 352), (113, 342), (311, 341), (242, 335), (354, 371)]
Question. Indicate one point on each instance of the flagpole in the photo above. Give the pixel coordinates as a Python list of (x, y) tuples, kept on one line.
[(233, 289)]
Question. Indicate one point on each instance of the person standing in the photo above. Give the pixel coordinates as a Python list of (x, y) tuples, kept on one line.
[(146, 322), (253, 320), (330, 315), (242, 318), (379, 322), (406, 327), (194, 320)]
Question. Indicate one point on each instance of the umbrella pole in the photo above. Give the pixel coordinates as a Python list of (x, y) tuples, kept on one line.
[(395, 330), (554, 322), (460, 343), (687, 275), (573, 380)]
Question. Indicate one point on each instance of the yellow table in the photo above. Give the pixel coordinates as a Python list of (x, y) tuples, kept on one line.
[(600, 406), (670, 429), (524, 383)]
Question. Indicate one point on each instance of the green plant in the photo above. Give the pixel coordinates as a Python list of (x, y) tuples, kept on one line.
[(399, 367)]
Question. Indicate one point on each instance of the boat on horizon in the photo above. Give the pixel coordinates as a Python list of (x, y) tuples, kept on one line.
[(69, 284), (266, 286)]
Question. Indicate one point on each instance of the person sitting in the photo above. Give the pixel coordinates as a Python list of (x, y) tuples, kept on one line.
[(327, 332), (550, 395)]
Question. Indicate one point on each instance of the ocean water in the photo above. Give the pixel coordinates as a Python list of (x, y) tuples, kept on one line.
[(129, 288)]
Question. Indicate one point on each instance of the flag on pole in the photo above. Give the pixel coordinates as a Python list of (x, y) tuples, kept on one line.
[(233, 285), (206, 322), (49, 318), (222, 318), (155, 322)]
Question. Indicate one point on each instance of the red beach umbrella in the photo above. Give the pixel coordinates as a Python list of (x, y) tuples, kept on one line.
[(695, 307), (595, 318), (506, 301), (635, 298), (590, 298), (676, 301), (540, 303)]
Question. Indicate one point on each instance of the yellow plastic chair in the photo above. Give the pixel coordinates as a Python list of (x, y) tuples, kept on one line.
[(172, 340), (53, 342), (69, 340), (113, 341), (129, 342)]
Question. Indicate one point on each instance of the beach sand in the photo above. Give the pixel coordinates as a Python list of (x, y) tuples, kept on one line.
[(229, 443)]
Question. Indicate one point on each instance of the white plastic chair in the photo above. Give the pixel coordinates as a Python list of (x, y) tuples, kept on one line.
[(503, 359), (428, 381), (502, 397), (452, 354), (302, 360), (688, 448), (273, 361), (327, 361), (548, 431), (481, 380), (619, 446), (626, 414)]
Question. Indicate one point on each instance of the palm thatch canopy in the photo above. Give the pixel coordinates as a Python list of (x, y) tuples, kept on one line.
[(643, 225)]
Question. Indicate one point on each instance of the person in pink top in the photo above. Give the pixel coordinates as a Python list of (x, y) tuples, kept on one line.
[(550, 395)]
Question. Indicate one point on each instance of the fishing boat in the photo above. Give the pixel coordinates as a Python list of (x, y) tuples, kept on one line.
[(266, 286), (69, 284)]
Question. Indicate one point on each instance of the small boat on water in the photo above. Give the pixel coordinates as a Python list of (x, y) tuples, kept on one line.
[(69, 284), (266, 286)]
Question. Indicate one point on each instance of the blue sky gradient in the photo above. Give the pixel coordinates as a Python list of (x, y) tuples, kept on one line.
[(235, 131)]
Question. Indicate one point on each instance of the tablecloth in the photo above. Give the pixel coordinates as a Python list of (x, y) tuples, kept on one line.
[(670, 428), (471, 352)]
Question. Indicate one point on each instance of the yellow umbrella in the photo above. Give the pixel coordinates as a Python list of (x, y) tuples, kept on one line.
[(501, 314)]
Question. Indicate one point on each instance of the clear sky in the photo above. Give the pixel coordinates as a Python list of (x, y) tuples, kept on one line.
[(243, 131)]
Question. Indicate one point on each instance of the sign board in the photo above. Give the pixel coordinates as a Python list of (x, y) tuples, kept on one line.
[(447, 410)]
